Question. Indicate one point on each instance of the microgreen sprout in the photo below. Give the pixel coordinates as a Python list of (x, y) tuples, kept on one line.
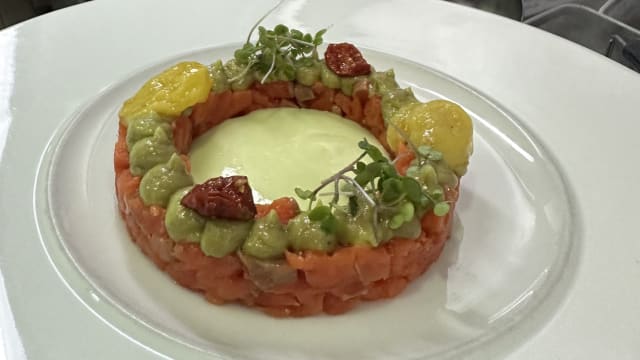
[(378, 185), (276, 52)]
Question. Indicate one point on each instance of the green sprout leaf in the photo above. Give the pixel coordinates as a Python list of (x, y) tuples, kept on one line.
[(427, 174), (323, 215), (370, 172), (407, 210), (317, 39), (424, 202), (281, 29), (329, 224), (392, 190), (424, 150), (412, 189), (276, 52), (374, 153), (389, 170), (413, 171), (304, 194), (435, 155), (441, 209), (436, 192), (396, 221), (319, 213)]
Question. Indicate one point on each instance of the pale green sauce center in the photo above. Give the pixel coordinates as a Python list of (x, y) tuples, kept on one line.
[(278, 150)]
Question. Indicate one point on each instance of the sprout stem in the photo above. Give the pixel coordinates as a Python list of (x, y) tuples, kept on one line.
[(336, 193), (295, 40), (253, 28), (340, 173), (405, 137), (273, 64), (244, 71), (374, 206)]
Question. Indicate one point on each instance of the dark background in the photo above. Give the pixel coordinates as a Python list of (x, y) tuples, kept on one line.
[(15, 11)]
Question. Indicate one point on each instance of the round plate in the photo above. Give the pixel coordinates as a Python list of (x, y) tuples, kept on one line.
[(498, 278)]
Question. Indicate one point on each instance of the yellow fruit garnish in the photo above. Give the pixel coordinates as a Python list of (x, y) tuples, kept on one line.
[(441, 124), (170, 92)]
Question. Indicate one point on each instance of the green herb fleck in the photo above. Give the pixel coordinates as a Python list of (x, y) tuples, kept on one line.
[(441, 209)]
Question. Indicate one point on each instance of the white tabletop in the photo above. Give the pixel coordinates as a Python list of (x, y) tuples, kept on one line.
[(571, 98)]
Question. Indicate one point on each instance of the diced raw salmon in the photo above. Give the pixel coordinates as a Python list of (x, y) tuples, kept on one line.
[(323, 101), (276, 300), (228, 289), (286, 208), (182, 134), (403, 158), (385, 289), (219, 107), (372, 264), (121, 152), (343, 101), (333, 305), (325, 271), (331, 283), (276, 89)]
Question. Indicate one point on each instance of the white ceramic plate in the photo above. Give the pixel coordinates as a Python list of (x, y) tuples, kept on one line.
[(512, 239)]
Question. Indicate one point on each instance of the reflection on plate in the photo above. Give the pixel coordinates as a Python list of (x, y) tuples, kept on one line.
[(502, 270)]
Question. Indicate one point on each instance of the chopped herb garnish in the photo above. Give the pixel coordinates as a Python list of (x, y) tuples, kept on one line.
[(441, 208), (277, 51), (394, 199), (305, 194)]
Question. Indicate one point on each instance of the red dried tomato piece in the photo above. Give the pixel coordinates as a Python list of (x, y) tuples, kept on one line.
[(345, 59), (222, 197)]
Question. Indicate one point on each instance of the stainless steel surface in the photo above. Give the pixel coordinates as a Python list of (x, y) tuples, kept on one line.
[(630, 49), (626, 11), (590, 28), (508, 8), (534, 7)]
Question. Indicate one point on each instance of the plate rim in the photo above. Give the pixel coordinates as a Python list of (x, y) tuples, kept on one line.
[(570, 264)]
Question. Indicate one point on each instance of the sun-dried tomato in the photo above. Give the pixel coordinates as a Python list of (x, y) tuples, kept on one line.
[(223, 198), (345, 59)]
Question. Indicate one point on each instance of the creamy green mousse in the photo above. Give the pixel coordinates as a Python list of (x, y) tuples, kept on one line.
[(278, 150)]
